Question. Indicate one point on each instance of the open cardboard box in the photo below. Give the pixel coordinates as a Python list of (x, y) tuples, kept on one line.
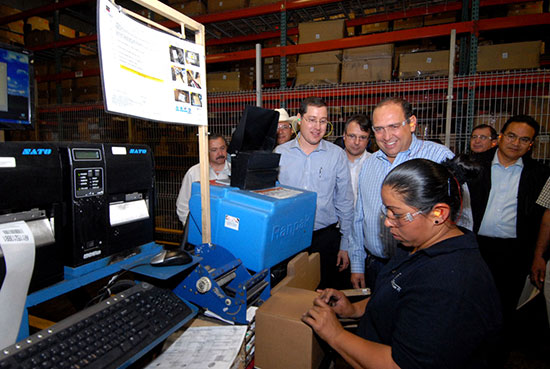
[(282, 340)]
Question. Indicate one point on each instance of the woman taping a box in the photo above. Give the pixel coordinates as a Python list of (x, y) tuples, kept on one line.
[(434, 304)]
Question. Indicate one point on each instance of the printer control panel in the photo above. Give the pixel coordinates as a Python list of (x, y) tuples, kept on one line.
[(88, 182)]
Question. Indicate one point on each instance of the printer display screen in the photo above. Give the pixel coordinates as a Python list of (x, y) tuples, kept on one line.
[(83, 154)]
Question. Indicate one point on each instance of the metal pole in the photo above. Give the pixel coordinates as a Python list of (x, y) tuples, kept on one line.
[(450, 88), (259, 75)]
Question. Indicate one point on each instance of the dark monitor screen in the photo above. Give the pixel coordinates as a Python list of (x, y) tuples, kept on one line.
[(257, 130), (16, 90)]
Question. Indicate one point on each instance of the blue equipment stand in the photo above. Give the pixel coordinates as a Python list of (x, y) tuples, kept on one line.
[(86, 274), (221, 284)]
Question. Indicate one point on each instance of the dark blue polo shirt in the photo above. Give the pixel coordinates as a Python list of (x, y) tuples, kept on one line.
[(437, 308)]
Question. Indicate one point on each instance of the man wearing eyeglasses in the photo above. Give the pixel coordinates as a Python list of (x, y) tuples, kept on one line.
[(506, 216), (314, 164), (356, 138), (483, 138), (372, 244)]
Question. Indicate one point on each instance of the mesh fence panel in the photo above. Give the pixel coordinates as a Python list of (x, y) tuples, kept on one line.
[(483, 98)]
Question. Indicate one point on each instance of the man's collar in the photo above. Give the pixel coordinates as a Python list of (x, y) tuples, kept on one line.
[(496, 161), (413, 147), (322, 146), (359, 158)]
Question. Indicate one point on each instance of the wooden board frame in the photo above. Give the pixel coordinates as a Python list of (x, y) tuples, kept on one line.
[(198, 29)]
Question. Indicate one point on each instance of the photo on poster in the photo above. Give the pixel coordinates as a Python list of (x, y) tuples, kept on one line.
[(193, 79), (181, 96), (178, 74), (176, 55), (192, 58), (196, 99)]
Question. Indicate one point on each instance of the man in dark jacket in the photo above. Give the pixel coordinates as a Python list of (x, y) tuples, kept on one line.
[(506, 216)]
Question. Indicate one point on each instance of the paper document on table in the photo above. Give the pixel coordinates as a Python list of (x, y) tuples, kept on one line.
[(528, 293), (203, 347)]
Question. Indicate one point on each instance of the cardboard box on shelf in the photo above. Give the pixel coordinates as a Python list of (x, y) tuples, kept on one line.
[(375, 27), (367, 70), (518, 55), (534, 7), (273, 71), (369, 52), (14, 33), (276, 60), (86, 63), (35, 38), (215, 6), (364, 64), (317, 74), (66, 31), (86, 49), (321, 31), (407, 23), (431, 63), (90, 82), (325, 57), (223, 81), (190, 7), (38, 23), (439, 18), (282, 339)]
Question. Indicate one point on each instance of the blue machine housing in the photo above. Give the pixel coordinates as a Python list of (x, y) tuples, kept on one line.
[(262, 227)]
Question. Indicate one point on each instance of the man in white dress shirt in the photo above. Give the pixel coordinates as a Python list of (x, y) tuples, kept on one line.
[(220, 168), (356, 138)]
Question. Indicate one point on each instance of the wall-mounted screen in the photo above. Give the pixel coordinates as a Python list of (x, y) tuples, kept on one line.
[(16, 105)]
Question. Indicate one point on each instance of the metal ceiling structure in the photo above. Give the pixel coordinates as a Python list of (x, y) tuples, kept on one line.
[(253, 24)]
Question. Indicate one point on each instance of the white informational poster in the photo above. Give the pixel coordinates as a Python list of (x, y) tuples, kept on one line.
[(148, 73)]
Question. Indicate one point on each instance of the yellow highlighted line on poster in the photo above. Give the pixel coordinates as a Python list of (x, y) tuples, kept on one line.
[(140, 74)]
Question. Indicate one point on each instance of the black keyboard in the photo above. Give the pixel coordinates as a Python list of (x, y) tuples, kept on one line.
[(111, 334)]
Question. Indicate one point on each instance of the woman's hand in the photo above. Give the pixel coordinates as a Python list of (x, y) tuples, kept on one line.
[(322, 318), (338, 302)]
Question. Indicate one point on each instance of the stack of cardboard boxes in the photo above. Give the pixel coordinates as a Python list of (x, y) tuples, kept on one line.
[(324, 67), (365, 64)]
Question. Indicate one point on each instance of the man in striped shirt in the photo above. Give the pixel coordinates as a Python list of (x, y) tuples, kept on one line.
[(371, 244)]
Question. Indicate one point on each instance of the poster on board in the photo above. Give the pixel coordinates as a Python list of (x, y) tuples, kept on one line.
[(147, 73)]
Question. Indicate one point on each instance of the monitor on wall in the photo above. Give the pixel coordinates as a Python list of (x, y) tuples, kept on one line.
[(16, 88)]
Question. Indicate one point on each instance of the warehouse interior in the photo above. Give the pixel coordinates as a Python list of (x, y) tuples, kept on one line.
[(352, 53)]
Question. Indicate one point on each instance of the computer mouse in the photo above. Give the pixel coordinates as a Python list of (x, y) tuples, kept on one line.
[(171, 257)]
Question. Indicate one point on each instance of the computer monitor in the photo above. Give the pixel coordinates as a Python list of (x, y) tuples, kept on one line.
[(16, 88), (257, 130)]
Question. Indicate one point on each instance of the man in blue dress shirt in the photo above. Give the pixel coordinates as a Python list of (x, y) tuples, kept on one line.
[(313, 164), (372, 244)]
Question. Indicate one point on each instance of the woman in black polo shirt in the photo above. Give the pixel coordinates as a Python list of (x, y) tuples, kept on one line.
[(434, 304)]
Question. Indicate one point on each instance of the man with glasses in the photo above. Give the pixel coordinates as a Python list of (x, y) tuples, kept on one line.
[(506, 216), (372, 244), (314, 164), (356, 138), (483, 138)]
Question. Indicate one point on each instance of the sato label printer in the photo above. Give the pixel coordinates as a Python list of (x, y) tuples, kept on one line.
[(82, 201)]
